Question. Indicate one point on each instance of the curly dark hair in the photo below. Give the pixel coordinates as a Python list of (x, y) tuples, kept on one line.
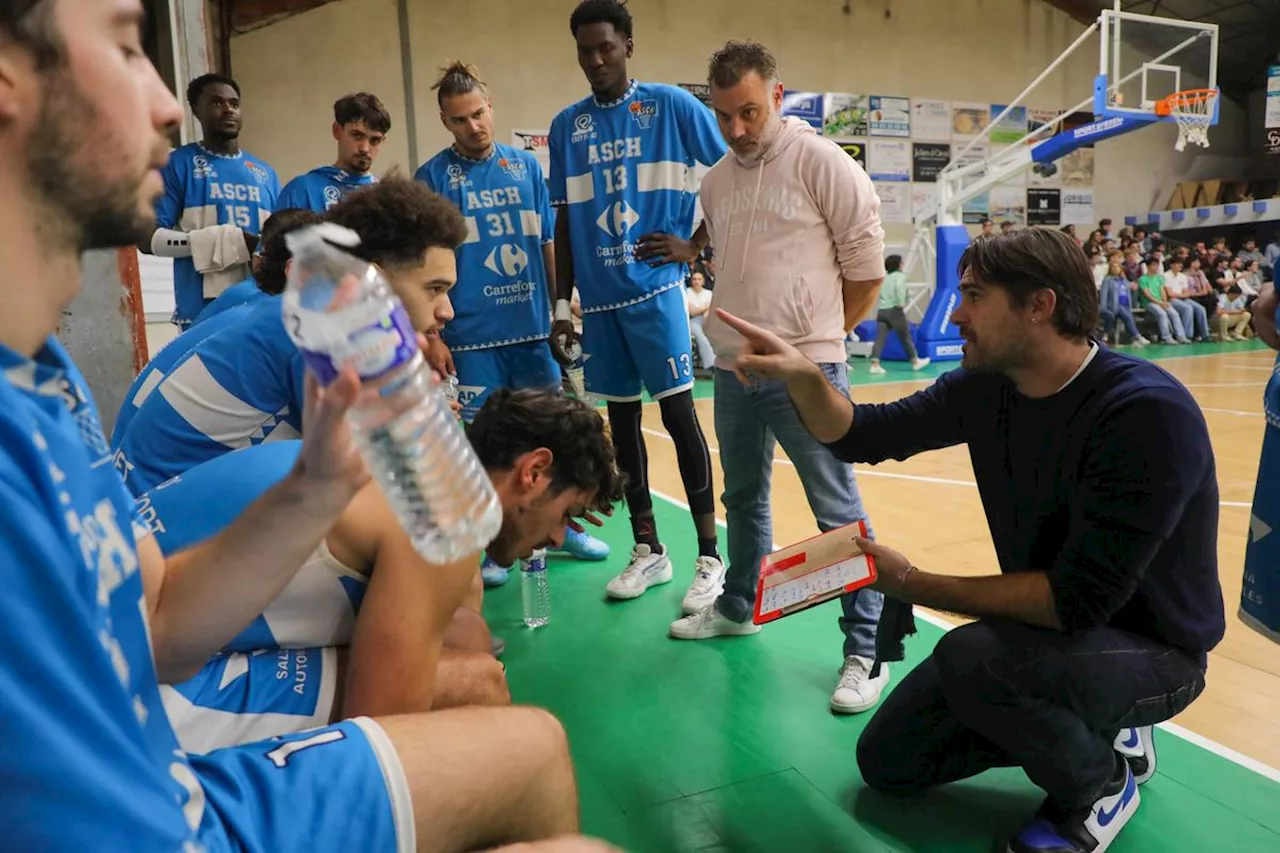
[(1032, 259), (736, 60), (275, 251), (513, 423), (613, 12), (398, 220), (197, 86), (362, 107), (29, 23)]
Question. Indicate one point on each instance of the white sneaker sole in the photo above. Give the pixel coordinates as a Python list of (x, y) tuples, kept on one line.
[(664, 576), (739, 629)]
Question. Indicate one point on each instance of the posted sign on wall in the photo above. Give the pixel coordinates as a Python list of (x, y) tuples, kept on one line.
[(1271, 122)]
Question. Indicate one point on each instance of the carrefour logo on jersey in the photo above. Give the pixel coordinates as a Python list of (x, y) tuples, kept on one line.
[(617, 219), (507, 259), (642, 112), (584, 128)]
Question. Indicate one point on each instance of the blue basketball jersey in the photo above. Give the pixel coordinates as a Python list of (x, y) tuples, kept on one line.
[(89, 758), (169, 355), (240, 387), (1260, 593), (203, 189), (321, 189), (237, 294), (501, 297), (624, 170), (319, 604)]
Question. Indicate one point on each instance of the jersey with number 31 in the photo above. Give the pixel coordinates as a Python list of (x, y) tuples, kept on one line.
[(624, 170)]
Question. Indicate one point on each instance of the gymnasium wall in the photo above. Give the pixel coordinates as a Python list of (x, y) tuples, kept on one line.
[(962, 50)]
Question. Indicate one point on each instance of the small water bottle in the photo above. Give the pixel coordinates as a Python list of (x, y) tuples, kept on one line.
[(577, 373), (535, 590), (340, 311)]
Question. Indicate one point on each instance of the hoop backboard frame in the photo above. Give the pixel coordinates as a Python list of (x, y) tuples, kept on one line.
[(1191, 62)]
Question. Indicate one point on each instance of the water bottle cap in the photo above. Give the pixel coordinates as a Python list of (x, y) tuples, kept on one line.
[(323, 232)]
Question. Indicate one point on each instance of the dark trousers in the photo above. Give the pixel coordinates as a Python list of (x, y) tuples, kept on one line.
[(896, 319), (999, 694)]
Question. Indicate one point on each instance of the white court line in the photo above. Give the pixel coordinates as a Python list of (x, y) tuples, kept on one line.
[(1249, 367), (1231, 412), (1222, 385), (1262, 769)]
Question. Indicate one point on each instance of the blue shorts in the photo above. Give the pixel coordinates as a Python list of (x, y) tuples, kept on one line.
[(244, 697), (483, 371), (325, 790), (647, 343)]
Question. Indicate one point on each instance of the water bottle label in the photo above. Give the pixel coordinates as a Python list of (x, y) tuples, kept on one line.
[(534, 564), (372, 349)]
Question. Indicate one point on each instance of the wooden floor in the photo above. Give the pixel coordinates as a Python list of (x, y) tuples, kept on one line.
[(928, 507)]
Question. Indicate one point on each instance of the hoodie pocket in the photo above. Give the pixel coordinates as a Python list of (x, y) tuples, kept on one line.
[(794, 317)]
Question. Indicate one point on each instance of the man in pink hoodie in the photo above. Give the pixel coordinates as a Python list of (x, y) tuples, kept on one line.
[(796, 227)]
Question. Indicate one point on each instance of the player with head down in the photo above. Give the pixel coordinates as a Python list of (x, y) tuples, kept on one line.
[(502, 313)]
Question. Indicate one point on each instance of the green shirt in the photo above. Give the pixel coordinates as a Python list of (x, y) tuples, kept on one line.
[(893, 293), (1151, 288)]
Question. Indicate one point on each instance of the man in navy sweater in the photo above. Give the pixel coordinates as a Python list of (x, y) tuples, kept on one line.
[(1098, 482)]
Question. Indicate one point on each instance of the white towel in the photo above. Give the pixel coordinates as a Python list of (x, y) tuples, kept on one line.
[(220, 254)]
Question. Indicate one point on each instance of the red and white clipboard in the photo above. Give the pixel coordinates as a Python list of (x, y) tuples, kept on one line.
[(811, 572)]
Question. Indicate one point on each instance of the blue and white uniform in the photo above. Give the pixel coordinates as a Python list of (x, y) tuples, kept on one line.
[(1260, 595), (169, 355), (279, 674), (201, 190), (81, 687), (240, 387), (623, 170), (502, 309), (321, 189), (243, 293)]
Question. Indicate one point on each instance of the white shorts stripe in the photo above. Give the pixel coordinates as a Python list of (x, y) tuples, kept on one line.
[(397, 783)]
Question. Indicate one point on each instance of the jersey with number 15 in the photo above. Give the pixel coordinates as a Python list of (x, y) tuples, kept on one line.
[(203, 189), (623, 170)]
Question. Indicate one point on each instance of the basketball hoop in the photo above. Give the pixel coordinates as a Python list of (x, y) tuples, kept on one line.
[(1193, 112)]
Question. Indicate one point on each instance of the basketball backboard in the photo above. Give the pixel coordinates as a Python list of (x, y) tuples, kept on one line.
[(1145, 59)]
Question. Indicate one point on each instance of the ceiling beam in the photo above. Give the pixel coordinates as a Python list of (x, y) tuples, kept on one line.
[(249, 15), (1083, 11)]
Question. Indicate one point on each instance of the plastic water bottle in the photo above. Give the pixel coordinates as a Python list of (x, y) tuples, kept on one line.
[(577, 373), (340, 311), (535, 590)]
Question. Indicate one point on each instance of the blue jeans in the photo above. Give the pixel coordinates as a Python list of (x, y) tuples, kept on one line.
[(750, 421)]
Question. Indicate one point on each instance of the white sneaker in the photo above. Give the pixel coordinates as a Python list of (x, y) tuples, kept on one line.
[(920, 363), (646, 569), (708, 583), (1138, 746), (1140, 341), (857, 690), (877, 370), (707, 623)]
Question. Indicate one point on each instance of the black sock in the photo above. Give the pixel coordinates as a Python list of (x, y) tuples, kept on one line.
[(646, 532), (708, 548)]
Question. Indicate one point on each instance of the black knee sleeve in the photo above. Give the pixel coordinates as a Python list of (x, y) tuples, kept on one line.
[(628, 443), (681, 421)]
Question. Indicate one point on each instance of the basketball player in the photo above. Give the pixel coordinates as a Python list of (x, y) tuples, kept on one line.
[(212, 190), (270, 264), (83, 125), (245, 385), (360, 126), (367, 588), (622, 162), (502, 311)]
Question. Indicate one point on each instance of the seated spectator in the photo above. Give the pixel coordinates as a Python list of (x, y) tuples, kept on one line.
[(1250, 280), (1097, 265), (1006, 227), (1133, 266), (1151, 292), (1113, 303), (1271, 258), (1143, 240), (1233, 315), (892, 315), (244, 386), (1070, 231), (697, 300), (1250, 253), (1177, 292), (1102, 501), (366, 626), (986, 228), (1202, 298)]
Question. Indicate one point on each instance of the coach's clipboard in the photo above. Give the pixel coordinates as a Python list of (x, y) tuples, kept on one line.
[(811, 572)]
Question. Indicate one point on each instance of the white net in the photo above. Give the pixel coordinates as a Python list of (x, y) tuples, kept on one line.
[(1193, 113)]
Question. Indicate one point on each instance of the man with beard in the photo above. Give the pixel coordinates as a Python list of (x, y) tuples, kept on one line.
[(360, 126), (803, 257), (93, 615), (1097, 478), (216, 200)]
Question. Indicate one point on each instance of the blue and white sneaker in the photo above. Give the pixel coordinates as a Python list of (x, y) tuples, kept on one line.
[(492, 574), (1089, 831), (582, 546), (1138, 746)]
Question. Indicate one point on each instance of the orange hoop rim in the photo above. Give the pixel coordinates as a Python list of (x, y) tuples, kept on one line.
[(1185, 98)]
